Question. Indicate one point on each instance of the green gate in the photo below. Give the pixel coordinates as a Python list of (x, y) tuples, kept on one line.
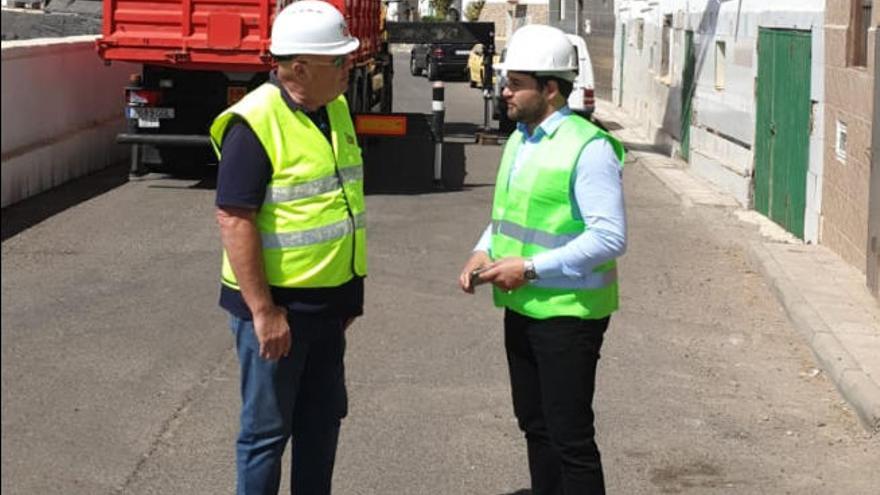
[(687, 93), (782, 131)]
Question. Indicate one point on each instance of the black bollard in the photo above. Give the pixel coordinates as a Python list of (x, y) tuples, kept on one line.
[(439, 108)]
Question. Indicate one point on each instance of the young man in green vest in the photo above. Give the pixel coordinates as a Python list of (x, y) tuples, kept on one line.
[(558, 225), (290, 206)]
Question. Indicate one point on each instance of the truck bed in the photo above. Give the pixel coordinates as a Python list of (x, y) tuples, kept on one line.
[(225, 35)]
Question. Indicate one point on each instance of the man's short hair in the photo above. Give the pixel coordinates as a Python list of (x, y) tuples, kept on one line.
[(565, 87), (283, 58)]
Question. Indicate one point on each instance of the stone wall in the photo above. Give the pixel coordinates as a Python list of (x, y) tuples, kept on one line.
[(503, 13), (849, 90)]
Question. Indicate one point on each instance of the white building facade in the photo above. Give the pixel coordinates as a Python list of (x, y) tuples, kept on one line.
[(720, 107)]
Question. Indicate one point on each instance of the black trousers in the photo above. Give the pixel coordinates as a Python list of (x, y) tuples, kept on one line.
[(553, 375)]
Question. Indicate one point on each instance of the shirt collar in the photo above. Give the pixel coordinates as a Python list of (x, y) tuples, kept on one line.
[(548, 126)]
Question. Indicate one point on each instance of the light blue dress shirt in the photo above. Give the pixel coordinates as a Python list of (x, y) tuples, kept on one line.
[(597, 190)]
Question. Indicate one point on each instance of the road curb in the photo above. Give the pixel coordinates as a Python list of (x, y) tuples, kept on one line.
[(850, 379)]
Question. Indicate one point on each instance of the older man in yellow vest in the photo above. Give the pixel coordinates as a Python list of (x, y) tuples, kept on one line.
[(558, 225), (290, 206)]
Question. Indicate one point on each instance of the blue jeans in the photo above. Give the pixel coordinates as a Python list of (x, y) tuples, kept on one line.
[(301, 396)]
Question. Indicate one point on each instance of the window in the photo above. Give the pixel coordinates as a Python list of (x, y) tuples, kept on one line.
[(640, 33), (720, 62), (858, 32), (840, 141), (665, 48)]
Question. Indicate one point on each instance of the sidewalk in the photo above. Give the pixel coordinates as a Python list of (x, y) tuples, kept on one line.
[(824, 297)]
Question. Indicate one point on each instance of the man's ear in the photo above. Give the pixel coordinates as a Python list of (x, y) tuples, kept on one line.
[(551, 89), (297, 70)]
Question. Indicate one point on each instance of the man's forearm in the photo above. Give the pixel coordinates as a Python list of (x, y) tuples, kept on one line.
[(243, 245)]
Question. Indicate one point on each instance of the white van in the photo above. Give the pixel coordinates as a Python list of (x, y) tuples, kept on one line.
[(582, 99)]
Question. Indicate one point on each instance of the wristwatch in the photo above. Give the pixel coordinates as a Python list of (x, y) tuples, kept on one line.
[(529, 270)]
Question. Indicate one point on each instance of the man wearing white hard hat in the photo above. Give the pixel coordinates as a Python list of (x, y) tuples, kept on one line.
[(290, 206), (558, 226)]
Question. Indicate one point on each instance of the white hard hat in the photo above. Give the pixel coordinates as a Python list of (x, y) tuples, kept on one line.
[(542, 49), (311, 27)]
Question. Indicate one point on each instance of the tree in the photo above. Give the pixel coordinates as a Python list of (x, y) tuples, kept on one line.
[(472, 13), (441, 8)]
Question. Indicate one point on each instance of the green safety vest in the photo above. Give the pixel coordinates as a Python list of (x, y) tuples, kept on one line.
[(532, 213), (312, 219)]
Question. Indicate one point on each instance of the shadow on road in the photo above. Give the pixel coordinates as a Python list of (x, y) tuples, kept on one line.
[(205, 175), (33, 210)]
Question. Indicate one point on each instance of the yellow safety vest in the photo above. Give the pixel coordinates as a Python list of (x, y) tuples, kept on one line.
[(312, 219)]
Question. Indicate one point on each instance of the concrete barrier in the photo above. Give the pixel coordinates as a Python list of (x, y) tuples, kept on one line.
[(61, 110)]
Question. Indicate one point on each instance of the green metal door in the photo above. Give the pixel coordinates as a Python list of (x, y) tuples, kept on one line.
[(687, 93), (782, 130)]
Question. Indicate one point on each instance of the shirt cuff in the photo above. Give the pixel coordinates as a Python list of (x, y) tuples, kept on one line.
[(547, 265), (485, 242)]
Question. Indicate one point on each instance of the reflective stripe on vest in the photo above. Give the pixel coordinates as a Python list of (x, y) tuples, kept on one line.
[(531, 214), (311, 222), (282, 194), (275, 240)]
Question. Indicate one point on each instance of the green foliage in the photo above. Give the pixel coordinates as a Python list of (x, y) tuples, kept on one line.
[(441, 8), (472, 13)]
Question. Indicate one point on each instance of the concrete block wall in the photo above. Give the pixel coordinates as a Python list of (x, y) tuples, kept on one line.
[(61, 111), (723, 119), (845, 188), (508, 16)]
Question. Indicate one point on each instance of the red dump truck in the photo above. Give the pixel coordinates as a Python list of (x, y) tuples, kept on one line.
[(200, 56)]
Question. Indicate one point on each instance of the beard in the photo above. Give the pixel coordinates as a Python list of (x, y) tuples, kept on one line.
[(527, 114)]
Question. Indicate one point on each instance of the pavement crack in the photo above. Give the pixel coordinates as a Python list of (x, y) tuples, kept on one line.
[(173, 422)]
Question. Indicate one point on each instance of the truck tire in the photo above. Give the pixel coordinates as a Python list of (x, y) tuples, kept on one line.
[(387, 96), (355, 93), (433, 71)]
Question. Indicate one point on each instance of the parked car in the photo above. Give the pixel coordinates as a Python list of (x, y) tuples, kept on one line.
[(582, 99), (440, 61), (475, 66)]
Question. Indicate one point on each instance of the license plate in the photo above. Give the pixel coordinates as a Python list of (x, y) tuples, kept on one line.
[(149, 116), (462, 52)]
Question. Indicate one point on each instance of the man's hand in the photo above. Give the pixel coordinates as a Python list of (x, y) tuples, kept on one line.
[(480, 259), (506, 273), (273, 333)]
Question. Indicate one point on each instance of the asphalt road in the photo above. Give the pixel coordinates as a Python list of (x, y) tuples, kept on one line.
[(118, 374)]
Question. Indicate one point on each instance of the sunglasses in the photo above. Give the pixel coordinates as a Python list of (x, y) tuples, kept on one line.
[(337, 61)]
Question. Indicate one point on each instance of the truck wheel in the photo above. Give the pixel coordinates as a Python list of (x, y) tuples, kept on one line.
[(433, 72), (351, 92), (413, 68), (387, 97)]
